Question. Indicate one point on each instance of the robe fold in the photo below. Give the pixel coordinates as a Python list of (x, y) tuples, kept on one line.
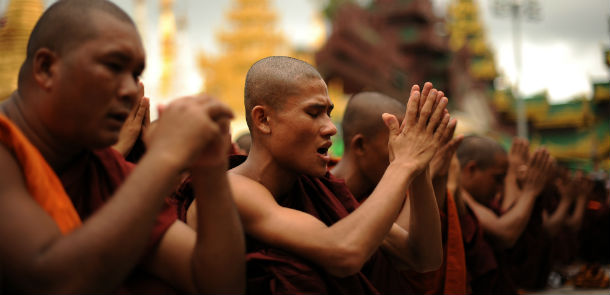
[(274, 271), (486, 273), (90, 181), (529, 260), (40, 179)]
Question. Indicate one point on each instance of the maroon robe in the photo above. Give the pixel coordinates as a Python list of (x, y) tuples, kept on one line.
[(529, 260), (274, 271), (486, 273), (90, 181)]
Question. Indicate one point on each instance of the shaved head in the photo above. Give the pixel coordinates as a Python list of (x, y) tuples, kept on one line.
[(481, 150), (363, 115), (68, 23), (273, 79)]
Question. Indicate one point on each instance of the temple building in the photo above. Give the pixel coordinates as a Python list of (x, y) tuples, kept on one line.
[(15, 27)]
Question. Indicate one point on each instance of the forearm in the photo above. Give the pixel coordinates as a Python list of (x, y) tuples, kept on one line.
[(575, 220), (511, 190), (440, 191), (513, 222), (553, 224), (363, 231), (88, 259), (220, 239), (425, 248)]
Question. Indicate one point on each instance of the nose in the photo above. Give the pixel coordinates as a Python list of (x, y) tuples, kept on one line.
[(329, 129), (129, 90)]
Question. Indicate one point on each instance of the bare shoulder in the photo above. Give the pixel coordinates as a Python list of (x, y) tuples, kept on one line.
[(243, 185), (10, 174)]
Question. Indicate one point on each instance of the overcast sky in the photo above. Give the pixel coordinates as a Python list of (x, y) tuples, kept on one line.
[(561, 53)]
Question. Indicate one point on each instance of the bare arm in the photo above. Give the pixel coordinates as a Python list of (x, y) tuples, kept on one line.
[(574, 222), (421, 247), (518, 157), (507, 229), (37, 258)]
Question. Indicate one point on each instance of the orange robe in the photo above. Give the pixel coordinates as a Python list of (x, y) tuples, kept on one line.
[(41, 181)]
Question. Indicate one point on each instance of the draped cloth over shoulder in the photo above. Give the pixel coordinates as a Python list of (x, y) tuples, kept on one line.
[(274, 271), (41, 181)]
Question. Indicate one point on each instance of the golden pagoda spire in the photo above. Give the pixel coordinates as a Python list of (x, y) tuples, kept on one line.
[(167, 23), (250, 36), (466, 30), (15, 28)]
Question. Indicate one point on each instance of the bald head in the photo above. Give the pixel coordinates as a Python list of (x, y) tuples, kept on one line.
[(481, 150), (68, 23), (273, 79), (363, 115)]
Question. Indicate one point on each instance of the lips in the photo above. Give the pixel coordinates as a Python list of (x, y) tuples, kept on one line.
[(118, 118), (323, 150)]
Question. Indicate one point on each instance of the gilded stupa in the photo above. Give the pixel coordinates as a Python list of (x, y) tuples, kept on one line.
[(15, 27), (250, 36), (466, 30)]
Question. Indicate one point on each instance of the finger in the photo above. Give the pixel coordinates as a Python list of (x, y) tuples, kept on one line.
[(427, 88), (160, 109), (439, 95), (218, 110), (426, 110), (442, 127), (451, 130), (437, 114), (414, 88), (142, 107), (140, 89), (146, 121), (455, 143), (391, 122), (447, 132), (412, 109)]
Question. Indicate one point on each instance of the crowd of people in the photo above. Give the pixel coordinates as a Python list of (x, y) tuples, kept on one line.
[(96, 199)]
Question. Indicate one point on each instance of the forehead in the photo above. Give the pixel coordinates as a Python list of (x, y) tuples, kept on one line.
[(113, 34), (311, 91), (500, 162)]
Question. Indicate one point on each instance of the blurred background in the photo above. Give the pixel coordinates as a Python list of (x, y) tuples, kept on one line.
[(535, 68)]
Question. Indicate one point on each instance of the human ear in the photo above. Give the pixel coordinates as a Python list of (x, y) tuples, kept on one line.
[(260, 119), (358, 145), (44, 67)]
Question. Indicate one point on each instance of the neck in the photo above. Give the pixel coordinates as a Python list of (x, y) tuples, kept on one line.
[(261, 167), (355, 180), (56, 153)]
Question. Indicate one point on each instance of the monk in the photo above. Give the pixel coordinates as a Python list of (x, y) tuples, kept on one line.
[(305, 232), (74, 216), (484, 164), (362, 165)]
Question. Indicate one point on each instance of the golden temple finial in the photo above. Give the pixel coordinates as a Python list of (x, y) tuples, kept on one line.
[(251, 34), (167, 23)]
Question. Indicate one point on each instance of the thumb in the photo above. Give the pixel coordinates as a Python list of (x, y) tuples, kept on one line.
[(392, 123), (160, 109)]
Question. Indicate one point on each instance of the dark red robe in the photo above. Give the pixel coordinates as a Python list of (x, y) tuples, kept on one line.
[(90, 181), (529, 260), (274, 271), (485, 272)]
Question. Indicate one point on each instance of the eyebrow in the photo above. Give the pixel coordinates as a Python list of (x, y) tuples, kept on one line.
[(124, 58), (322, 106)]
